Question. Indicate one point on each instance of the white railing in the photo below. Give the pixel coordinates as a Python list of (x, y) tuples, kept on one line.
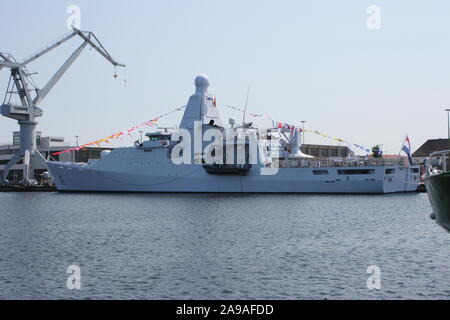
[(443, 161), (325, 162)]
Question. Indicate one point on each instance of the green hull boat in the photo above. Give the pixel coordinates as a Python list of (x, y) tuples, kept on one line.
[(437, 183), (438, 189)]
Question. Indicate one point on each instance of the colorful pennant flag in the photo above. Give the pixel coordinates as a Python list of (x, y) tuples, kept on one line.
[(117, 135), (281, 125)]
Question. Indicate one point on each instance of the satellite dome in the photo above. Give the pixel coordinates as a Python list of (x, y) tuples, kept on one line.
[(202, 81)]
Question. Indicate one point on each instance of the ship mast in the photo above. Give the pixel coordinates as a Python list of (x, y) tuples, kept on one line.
[(245, 108)]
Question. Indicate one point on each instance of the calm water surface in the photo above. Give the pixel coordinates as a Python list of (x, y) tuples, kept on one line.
[(157, 246)]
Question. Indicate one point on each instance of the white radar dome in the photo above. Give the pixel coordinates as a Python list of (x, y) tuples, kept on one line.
[(202, 81)]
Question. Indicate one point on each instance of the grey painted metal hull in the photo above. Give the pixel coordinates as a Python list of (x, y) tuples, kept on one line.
[(142, 177), (438, 189)]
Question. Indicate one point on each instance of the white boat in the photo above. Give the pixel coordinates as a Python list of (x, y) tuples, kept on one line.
[(274, 164)]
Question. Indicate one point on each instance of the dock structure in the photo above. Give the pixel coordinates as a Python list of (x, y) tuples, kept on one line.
[(26, 188)]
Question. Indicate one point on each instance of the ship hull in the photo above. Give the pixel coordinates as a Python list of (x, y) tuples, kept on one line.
[(194, 178), (438, 189)]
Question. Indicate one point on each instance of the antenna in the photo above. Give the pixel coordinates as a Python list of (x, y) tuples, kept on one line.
[(245, 109)]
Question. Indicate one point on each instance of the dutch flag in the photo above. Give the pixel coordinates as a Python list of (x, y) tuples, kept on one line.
[(406, 148)]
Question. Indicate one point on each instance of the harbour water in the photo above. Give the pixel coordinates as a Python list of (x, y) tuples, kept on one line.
[(200, 246)]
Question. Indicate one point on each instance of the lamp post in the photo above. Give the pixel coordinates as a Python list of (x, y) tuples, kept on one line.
[(77, 140), (448, 123), (303, 131)]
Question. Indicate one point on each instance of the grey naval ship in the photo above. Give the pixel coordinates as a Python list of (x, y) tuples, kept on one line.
[(174, 161)]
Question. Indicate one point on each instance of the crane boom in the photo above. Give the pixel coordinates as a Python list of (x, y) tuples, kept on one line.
[(100, 50), (86, 36), (6, 59), (42, 93), (49, 48), (26, 112)]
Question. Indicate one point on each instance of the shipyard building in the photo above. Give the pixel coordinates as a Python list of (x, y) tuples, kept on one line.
[(46, 145)]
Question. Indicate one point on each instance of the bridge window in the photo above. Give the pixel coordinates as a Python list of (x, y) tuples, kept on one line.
[(16, 140), (157, 138)]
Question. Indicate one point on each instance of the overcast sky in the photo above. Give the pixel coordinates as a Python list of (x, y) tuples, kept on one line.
[(304, 60)]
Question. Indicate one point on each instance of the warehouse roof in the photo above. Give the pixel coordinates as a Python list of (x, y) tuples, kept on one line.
[(432, 145)]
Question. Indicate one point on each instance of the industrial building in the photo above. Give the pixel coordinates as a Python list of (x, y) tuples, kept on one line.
[(432, 145), (46, 146)]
